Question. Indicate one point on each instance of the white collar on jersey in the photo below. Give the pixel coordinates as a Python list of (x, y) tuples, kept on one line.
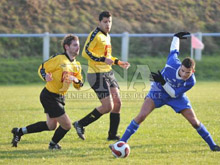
[(177, 75)]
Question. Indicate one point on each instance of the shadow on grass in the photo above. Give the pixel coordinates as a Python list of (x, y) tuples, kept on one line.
[(168, 148), (16, 153)]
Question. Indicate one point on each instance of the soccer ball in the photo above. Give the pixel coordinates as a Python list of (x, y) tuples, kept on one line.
[(120, 149)]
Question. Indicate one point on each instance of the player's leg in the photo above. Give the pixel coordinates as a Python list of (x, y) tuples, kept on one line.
[(93, 116), (147, 107), (46, 101), (65, 126), (101, 88), (115, 114), (50, 124), (189, 114)]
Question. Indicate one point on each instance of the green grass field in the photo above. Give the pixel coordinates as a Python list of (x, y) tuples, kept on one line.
[(164, 138)]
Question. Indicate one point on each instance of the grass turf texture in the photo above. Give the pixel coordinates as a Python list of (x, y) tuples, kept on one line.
[(163, 138)]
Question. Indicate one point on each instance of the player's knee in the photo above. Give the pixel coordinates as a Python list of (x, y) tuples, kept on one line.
[(52, 126), (117, 103)]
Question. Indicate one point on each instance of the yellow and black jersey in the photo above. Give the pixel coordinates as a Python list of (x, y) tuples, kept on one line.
[(61, 68), (98, 47)]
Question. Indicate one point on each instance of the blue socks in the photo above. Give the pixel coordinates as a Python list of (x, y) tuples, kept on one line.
[(131, 129), (203, 132)]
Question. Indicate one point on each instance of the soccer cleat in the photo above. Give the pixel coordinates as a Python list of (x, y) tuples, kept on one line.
[(79, 129), (216, 148), (115, 137), (54, 146), (16, 137)]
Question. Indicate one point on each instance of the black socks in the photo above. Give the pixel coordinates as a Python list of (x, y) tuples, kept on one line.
[(91, 117), (59, 134), (114, 123), (34, 128)]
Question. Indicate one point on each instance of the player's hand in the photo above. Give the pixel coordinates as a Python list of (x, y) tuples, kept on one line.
[(48, 77), (109, 61), (74, 79), (157, 77), (181, 35), (123, 64)]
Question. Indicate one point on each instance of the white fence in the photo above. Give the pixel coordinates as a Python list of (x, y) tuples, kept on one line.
[(124, 45)]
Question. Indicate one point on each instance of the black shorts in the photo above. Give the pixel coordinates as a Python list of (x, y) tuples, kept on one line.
[(53, 103), (102, 82)]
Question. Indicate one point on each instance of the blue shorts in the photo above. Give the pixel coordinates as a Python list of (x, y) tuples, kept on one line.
[(161, 98)]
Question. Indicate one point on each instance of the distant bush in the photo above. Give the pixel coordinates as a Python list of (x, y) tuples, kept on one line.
[(19, 71), (24, 70)]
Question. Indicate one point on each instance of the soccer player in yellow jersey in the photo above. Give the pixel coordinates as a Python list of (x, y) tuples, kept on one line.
[(98, 52), (59, 72)]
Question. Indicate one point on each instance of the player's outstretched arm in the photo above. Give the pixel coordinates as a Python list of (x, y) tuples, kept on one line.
[(182, 35), (175, 44)]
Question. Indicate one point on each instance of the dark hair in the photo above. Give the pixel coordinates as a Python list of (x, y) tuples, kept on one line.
[(189, 63), (68, 39), (104, 14)]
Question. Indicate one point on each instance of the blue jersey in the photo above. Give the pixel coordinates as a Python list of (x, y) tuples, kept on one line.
[(171, 76)]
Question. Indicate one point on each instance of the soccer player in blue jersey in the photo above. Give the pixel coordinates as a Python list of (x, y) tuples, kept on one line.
[(169, 88)]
